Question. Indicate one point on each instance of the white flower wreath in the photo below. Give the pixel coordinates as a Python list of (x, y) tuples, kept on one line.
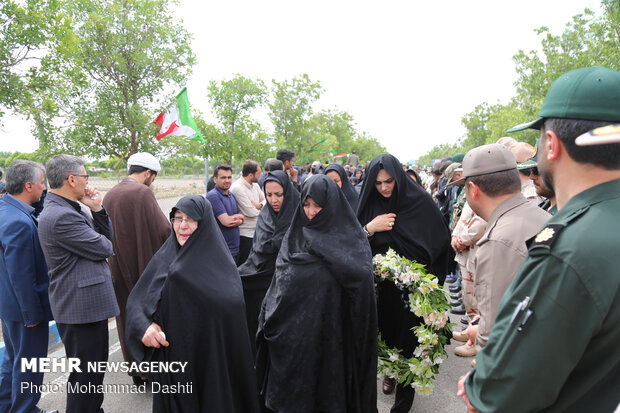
[(426, 299)]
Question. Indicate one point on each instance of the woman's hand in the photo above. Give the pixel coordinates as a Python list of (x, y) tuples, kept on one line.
[(380, 223), (153, 337)]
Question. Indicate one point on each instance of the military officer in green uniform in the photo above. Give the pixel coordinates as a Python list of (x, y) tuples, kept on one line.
[(452, 173), (554, 345), (530, 168)]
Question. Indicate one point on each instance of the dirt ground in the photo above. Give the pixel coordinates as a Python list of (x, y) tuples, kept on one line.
[(162, 187)]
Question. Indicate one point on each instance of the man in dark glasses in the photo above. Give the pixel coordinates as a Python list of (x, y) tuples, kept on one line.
[(523, 151), (529, 168)]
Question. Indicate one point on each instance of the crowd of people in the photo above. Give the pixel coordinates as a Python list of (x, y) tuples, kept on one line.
[(264, 287)]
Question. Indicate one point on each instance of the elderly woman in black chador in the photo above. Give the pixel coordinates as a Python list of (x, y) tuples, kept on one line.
[(317, 334), (191, 292), (273, 222), (396, 212), (339, 175)]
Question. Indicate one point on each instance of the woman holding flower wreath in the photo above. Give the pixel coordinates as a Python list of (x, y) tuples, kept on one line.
[(397, 213)]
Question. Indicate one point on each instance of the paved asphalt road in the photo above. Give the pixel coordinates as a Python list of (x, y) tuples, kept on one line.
[(443, 400)]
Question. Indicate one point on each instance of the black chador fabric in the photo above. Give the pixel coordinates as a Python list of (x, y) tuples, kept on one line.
[(257, 271), (317, 344), (419, 233), (347, 188), (194, 293)]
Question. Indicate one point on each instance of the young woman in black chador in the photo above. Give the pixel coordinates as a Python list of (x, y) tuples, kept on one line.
[(396, 212), (338, 174), (317, 333), (273, 222)]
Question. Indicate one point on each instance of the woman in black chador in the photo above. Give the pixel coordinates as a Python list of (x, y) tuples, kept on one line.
[(396, 212), (191, 292), (317, 333), (339, 175), (273, 221)]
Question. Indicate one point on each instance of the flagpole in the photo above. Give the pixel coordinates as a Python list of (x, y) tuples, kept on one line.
[(206, 172)]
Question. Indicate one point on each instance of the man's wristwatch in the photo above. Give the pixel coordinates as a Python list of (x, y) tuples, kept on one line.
[(368, 235)]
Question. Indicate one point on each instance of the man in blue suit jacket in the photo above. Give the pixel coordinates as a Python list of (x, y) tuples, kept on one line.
[(76, 246), (24, 303)]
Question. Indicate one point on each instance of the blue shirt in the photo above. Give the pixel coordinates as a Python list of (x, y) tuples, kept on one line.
[(225, 204)]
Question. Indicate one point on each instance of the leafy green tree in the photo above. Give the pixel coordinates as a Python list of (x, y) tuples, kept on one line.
[(233, 102), (27, 29), (440, 151), (587, 40), (127, 60), (335, 126), (476, 124), (342, 137), (368, 147), (487, 123), (290, 112)]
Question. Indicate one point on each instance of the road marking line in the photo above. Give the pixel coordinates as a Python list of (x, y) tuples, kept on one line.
[(65, 376)]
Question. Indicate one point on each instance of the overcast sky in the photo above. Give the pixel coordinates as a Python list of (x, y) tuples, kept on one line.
[(407, 71)]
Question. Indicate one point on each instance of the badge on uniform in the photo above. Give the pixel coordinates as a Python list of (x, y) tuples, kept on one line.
[(546, 237)]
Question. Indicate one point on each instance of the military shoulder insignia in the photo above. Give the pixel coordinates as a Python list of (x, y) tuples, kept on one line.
[(546, 237)]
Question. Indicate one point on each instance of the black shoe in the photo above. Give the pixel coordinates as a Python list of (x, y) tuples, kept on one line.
[(465, 320), (458, 310), (388, 385)]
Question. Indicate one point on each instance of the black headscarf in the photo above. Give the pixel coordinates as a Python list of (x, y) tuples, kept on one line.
[(271, 227), (418, 180), (257, 271), (317, 344), (347, 188), (194, 293), (360, 181), (361, 178), (419, 233)]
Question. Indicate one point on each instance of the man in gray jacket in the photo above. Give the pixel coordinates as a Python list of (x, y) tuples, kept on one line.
[(81, 293)]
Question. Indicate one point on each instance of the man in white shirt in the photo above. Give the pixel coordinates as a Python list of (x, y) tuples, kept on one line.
[(249, 199)]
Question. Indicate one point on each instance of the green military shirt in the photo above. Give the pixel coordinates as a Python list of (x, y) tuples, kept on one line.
[(560, 352), (457, 209)]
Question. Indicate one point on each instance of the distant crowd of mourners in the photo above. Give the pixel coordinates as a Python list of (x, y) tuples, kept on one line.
[(265, 286)]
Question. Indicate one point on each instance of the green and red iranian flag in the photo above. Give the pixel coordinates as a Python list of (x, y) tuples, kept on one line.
[(177, 120)]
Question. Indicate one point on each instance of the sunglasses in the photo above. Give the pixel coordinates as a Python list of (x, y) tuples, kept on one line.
[(530, 171)]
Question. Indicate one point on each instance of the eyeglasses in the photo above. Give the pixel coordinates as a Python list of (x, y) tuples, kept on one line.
[(530, 171), (82, 175), (179, 220)]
